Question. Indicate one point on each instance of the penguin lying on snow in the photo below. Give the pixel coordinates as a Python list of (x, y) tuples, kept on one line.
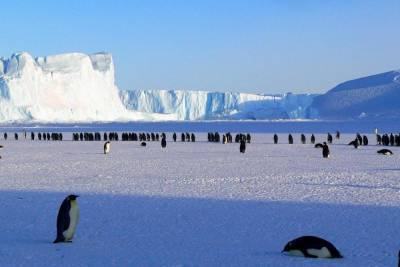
[(311, 247), (67, 219), (318, 145), (107, 147), (143, 143), (385, 151)]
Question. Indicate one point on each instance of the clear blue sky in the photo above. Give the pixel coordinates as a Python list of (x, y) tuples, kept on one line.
[(250, 46)]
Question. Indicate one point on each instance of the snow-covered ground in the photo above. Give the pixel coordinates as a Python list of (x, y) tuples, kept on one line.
[(198, 204)]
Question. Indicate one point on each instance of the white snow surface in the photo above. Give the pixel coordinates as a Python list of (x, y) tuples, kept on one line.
[(205, 105), (198, 204), (72, 87)]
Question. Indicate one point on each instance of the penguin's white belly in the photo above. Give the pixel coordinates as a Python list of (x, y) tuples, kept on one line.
[(296, 253), (107, 149), (74, 218), (320, 253)]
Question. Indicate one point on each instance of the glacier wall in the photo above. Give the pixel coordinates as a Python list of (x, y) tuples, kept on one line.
[(203, 105), (72, 87), (76, 87)]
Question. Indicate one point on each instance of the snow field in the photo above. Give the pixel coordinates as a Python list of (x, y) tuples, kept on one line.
[(198, 204)]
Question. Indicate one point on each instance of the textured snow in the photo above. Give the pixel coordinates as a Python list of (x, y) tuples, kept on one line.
[(195, 105), (198, 204)]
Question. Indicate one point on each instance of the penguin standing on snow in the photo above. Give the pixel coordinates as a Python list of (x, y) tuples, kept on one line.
[(329, 138), (303, 139), (311, 247), (242, 147), (325, 150), (163, 142), (312, 139), (290, 139), (275, 138), (67, 219), (107, 147)]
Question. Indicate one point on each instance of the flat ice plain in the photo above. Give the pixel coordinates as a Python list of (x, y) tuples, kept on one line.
[(198, 204)]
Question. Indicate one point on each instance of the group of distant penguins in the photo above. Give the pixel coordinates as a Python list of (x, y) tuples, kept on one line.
[(306, 246), (40, 136)]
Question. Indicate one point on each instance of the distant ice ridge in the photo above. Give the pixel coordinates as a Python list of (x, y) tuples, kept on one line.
[(203, 105), (371, 97), (72, 87)]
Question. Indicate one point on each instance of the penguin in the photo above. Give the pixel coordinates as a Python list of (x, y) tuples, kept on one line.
[(143, 143), (329, 138), (398, 255), (354, 143), (325, 150), (242, 147), (163, 143), (360, 140), (337, 135), (107, 147), (311, 247), (290, 139), (67, 219), (385, 152), (303, 139), (365, 140), (312, 139), (319, 145), (275, 138)]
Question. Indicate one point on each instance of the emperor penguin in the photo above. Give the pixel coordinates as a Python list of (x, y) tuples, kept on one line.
[(325, 150), (67, 219), (107, 147), (275, 138), (385, 152), (312, 139), (242, 146), (318, 145), (311, 247), (163, 142)]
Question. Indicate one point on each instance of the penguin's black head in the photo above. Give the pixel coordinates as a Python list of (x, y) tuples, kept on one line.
[(72, 197)]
